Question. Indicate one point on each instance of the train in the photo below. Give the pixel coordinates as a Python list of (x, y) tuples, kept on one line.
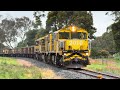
[(68, 47)]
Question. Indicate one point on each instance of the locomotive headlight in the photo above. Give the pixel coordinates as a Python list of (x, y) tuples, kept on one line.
[(87, 54), (65, 54), (73, 29)]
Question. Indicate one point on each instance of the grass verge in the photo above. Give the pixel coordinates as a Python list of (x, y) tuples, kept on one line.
[(11, 69), (108, 65)]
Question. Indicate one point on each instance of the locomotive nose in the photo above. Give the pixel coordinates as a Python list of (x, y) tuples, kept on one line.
[(76, 59), (74, 44)]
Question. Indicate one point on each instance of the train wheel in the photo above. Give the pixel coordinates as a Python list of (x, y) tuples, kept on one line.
[(53, 58), (50, 59), (57, 60), (46, 58), (40, 57), (88, 62), (36, 56), (43, 58), (61, 64)]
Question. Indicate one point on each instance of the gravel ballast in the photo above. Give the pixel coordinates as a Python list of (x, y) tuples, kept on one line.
[(58, 72)]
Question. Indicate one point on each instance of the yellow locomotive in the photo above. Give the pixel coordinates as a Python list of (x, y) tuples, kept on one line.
[(67, 47)]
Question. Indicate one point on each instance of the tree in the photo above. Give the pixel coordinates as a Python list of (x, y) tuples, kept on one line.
[(30, 37), (8, 31), (23, 25), (13, 29), (2, 36), (115, 28), (1, 33), (104, 42), (38, 15), (114, 13), (116, 32), (21, 44), (40, 33), (58, 19), (104, 53), (94, 53)]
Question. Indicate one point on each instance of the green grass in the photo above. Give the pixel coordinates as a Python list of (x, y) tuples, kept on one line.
[(96, 67), (11, 69), (110, 65)]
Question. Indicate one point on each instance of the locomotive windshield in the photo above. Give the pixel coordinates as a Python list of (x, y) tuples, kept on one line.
[(78, 35), (64, 35)]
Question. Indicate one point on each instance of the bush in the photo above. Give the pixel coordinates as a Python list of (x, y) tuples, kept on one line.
[(104, 53), (94, 53), (117, 56)]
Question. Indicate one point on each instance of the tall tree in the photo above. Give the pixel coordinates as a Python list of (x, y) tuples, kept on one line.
[(105, 42), (8, 31), (30, 37), (115, 28), (23, 25), (58, 19), (41, 32), (1, 32), (38, 15)]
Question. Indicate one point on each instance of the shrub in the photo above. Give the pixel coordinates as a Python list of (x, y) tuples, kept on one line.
[(104, 53), (94, 53), (117, 56)]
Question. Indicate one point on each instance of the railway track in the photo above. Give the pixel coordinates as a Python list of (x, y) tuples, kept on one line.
[(95, 75)]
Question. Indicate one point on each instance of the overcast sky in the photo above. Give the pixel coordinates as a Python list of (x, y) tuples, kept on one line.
[(101, 21)]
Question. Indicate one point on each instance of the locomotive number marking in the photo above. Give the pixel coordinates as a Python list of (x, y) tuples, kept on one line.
[(75, 43)]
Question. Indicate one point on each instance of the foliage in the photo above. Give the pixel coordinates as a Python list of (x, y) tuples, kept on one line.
[(58, 19), (13, 28), (41, 32), (104, 53), (23, 25), (94, 53), (117, 56), (114, 13), (116, 32), (11, 69), (1, 47), (8, 31), (104, 42), (22, 44), (2, 37), (30, 37), (115, 28), (38, 15)]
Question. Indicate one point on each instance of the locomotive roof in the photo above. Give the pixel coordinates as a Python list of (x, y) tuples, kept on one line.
[(67, 29), (40, 38)]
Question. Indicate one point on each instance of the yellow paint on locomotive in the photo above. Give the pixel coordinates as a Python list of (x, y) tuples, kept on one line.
[(76, 44), (50, 42), (66, 39), (71, 43), (41, 44), (36, 48)]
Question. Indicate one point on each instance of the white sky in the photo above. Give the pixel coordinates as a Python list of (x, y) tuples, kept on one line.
[(100, 20)]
